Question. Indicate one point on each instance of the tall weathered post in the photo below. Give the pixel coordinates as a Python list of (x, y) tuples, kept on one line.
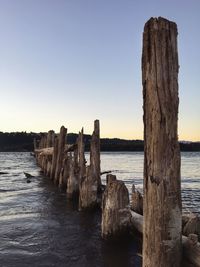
[(81, 156), (90, 184), (162, 193), (61, 148), (95, 153), (50, 138), (54, 158), (35, 145)]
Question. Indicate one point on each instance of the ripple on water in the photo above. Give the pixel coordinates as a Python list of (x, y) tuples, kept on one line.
[(39, 227)]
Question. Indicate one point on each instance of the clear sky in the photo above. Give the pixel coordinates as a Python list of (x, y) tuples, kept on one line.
[(68, 62)]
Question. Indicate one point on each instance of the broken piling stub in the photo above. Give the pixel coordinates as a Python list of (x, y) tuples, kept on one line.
[(136, 201), (72, 181), (115, 209)]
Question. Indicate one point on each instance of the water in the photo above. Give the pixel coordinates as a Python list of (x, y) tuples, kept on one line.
[(39, 227), (128, 166)]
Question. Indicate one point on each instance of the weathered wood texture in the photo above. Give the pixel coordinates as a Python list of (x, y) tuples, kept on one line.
[(115, 209), (72, 182), (191, 248), (136, 201), (87, 192), (35, 145), (54, 158), (50, 138), (64, 174), (60, 155), (91, 182), (191, 225), (162, 194), (44, 151), (95, 153), (86, 197), (43, 140), (110, 178), (81, 156)]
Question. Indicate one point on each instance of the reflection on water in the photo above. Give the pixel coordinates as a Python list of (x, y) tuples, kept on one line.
[(39, 227)]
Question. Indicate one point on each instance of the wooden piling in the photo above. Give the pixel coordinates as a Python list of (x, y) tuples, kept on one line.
[(50, 138), (91, 182), (35, 146), (72, 182), (116, 214), (60, 155), (64, 175), (136, 201), (162, 194), (81, 156), (54, 158), (95, 153)]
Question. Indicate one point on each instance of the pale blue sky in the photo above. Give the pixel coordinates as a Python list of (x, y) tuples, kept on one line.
[(72, 61)]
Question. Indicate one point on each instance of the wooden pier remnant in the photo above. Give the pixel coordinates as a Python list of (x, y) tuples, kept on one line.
[(54, 158), (190, 244), (136, 201), (81, 156), (162, 193), (116, 214), (60, 155), (95, 153), (50, 138), (72, 181), (90, 182), (110, 178)]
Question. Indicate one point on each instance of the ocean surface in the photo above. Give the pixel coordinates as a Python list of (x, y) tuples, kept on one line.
[(40, 227)]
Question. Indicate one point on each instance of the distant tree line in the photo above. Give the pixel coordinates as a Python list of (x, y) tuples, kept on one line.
[(23, 141)]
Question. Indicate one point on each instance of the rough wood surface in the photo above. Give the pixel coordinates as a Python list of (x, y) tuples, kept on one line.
[(60, 156), (192, 225), (43, 140), (50, 138), (91, 182), (110, 178), (81, 156), (54, 159), (191, 248), (72, 182), (95, 154), (44, 151), (115, 209), (162, 194), (35, 144), (88, 191), (64, 175), (136, 201)]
